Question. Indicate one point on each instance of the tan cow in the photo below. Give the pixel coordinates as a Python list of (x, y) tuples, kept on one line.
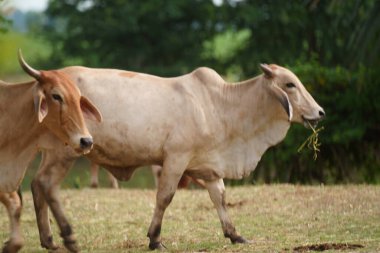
[(36, 116), (195, 124)]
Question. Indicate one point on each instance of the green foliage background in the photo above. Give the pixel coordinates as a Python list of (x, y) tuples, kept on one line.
[(333, 46)]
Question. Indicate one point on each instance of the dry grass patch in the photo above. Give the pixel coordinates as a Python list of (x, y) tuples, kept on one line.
[(277, 218)]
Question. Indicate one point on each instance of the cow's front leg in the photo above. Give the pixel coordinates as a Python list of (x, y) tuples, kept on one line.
[(94, 171), (113, 181), (168, 181), (42, 215), (45, 187), (216, 191), (12, 202)]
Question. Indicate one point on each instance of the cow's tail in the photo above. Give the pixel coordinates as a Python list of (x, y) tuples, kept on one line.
[(20, 194)]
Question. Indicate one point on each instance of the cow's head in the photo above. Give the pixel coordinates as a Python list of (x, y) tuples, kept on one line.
[(60, 107), (297, 101)]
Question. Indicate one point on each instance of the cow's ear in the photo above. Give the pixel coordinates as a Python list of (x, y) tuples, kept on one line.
[(283, 98), (89, 110), (268, 72), (40, 105)]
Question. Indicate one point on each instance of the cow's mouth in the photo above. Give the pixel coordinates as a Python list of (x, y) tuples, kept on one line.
[(310, 122), (81, 151)]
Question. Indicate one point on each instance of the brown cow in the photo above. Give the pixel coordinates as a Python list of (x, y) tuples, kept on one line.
[(36, 116), (195, 124)]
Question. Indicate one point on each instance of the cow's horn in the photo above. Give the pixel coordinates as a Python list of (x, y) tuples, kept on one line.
[(28, 69)]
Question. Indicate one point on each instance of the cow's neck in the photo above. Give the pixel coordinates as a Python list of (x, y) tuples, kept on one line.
[(253, 119), (18, 122), (247, 108), (19, 130)]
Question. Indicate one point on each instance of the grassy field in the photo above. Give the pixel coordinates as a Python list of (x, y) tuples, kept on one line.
[(276, 218)]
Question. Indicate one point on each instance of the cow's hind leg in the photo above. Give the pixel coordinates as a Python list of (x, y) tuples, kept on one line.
[(45, 188), (217, 194), (13, 204), (156, 171), (168, 182)]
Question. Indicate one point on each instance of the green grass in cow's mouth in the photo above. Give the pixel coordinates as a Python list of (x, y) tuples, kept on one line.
[(312, 141)]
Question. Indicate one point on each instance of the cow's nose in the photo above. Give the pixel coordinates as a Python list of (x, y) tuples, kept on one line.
[(85, 143), (322, 113)]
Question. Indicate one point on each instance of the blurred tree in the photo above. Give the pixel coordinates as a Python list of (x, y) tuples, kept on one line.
[(344, 33), (161, 37), (13, 36), (4, 22)]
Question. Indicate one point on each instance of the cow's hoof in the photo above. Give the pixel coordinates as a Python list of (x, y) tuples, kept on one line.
[(157, 246), (239, 239), (49, 244), (94, 185), (12, 246), (114, 186), (50, 247), (72, 246)]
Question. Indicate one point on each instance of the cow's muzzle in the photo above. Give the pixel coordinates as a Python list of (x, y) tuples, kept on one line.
[(313, 122), (86, 144)]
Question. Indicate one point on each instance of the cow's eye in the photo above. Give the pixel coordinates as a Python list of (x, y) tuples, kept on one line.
[(290, 85), (57, 97)]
